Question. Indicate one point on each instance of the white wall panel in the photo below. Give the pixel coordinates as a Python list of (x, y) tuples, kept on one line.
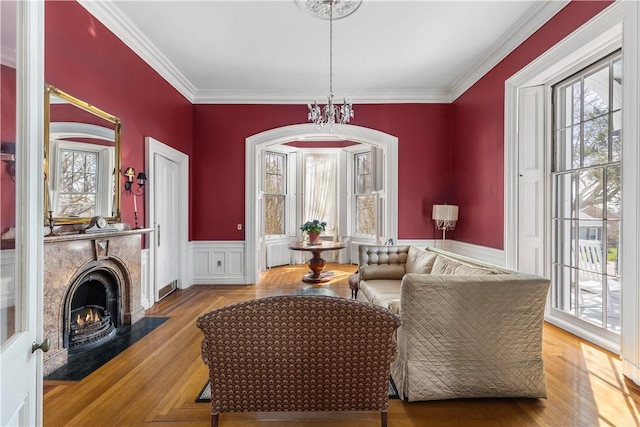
[(217, 263)]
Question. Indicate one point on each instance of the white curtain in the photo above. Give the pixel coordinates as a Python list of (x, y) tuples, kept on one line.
[(320, 192)]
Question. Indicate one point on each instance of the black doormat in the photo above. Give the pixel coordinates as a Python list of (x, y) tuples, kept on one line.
[(205, 394), (82, 362)]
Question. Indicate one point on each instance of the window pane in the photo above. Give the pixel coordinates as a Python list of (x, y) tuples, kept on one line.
[(366, 217), (614, 196), (596, 94), (616, 128), (364, 184), (596, 141), (564, 291), (564, 236), (568, 148), (617, 85), (76, 205), (590, 194), (275, 193), (565, 195), (274, 221)]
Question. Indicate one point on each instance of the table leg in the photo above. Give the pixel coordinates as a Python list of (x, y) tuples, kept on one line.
[(316, 264)]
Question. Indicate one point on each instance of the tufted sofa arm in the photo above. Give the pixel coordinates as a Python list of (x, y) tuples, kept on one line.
[(380, 262)]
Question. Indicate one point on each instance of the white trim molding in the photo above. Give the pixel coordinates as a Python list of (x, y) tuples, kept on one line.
[(217, 263), (616, 26)]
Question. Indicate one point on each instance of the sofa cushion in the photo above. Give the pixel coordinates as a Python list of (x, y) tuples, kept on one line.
[(385, 271), (380, 292), (419, 260), (446, 265)]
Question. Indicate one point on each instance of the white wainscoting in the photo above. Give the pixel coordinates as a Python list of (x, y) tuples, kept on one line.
[(217, 262), (146, 287), (7, 278), (222, 262), (482, 253)]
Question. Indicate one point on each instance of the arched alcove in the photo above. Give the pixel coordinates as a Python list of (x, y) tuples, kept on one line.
[(302, 132)]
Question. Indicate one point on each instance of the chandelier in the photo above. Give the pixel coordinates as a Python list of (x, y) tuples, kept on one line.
[(331, 113)]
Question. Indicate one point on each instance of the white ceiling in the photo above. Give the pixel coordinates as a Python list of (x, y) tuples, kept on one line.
[(276, 52)]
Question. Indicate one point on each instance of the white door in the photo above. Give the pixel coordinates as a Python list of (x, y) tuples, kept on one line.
[(21, 267), (167, 217), (531, 199), (168, 212)]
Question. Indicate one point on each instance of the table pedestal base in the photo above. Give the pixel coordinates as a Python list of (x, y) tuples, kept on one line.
[(311, 277)]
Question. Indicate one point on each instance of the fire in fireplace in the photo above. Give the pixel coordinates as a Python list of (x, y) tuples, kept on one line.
[(92, 309)]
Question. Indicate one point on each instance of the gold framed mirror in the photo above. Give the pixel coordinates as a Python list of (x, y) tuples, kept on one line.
[(81, 161)]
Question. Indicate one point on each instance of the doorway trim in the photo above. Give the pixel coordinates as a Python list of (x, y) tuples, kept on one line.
[(153, 147), (302, 132)]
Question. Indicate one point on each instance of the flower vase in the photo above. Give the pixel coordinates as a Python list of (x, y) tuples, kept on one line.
[(314, 237)]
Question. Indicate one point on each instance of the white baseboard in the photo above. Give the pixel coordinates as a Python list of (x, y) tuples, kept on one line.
[(216, 262)]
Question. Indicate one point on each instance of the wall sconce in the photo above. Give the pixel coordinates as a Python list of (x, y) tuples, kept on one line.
[(128, 184), (8, 153), (139, 191), (445, 217)]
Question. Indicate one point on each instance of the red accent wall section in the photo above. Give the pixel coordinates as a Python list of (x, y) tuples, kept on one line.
[(86, 60), (424, 150), (478, 131)]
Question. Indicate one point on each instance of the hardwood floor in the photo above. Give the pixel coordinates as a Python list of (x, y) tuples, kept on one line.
[(155, 381)]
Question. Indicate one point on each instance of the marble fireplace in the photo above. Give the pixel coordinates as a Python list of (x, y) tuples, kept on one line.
[(92, 285)]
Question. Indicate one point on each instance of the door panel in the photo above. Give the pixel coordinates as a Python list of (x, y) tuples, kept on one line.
[(167, 217), (531, 180)]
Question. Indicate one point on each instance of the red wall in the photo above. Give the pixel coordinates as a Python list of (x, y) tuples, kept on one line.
[(447, 153), (7, 134), (87, 61), (424, 150), (478, 132)]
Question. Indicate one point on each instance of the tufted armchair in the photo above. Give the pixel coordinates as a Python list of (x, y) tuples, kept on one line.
[(299, 353)]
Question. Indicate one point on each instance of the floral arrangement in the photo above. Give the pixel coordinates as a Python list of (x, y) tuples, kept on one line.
[(314, 226)]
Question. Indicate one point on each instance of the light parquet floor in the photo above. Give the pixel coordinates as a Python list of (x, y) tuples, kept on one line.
[(155, 381)]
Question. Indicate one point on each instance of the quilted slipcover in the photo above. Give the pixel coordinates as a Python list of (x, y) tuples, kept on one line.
[(470, 336)]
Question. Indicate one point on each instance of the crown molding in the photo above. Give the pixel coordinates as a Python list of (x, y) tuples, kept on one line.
[(510, 40), (113, 18), (357, 97), (117, 22)]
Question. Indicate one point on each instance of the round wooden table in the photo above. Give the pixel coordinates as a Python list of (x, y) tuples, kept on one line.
[(316, 263)]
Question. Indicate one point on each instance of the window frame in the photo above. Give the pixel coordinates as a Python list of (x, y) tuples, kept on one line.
[(105, 155)]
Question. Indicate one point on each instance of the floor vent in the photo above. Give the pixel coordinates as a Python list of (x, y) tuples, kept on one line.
[(163, 292)]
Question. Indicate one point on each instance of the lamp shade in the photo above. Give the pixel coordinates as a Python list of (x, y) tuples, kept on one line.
[(445, 212)]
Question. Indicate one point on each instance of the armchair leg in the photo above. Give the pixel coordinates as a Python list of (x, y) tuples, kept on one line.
[(383, 418), (214, 420)]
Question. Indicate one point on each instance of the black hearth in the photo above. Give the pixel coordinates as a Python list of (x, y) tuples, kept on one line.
[(92, 309)]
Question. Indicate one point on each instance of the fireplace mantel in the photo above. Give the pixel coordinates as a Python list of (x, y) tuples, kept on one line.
[(68, 257), (73, 235)]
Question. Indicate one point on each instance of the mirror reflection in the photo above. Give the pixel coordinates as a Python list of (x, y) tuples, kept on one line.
[(82, 160)]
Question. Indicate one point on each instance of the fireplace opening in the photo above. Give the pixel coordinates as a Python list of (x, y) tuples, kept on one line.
[(92, 310)]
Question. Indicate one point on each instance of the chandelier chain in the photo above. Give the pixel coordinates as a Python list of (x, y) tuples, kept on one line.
[(331, 113), (330, 47)]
